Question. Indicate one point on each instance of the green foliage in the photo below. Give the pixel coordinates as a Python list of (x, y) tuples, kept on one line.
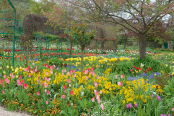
[(40, 33), (80, 34), (123, 67), (168, 89), (156, 65), (56, 61), (41, 5), (163, 79)]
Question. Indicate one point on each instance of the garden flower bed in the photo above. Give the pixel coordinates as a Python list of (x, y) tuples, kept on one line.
[(43, 88)]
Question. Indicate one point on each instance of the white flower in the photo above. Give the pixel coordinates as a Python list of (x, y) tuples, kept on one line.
[(142, 65)]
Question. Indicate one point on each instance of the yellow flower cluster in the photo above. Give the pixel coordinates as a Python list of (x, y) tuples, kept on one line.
[(131, 91), (100, 59)]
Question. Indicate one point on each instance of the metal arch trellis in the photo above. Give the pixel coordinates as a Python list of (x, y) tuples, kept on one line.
[(12, 26)]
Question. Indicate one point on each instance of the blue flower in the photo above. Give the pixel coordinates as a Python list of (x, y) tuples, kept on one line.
[(130, 78), (68, 66), (74, 66), (36, 59), (78, 69)]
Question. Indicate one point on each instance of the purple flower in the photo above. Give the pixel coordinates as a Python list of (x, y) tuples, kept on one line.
[(129, 105), (136, 105), (152, 95), (158, 97)]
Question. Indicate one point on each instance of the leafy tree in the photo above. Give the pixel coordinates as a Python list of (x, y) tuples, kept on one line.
[(170, 29), (79, 32), (41, 6), (137, 16)]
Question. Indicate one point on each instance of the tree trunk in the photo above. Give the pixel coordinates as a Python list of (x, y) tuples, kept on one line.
[(125, 42), (82, 63), (70, 52), (27, 57), (142, 45), (173, 45)]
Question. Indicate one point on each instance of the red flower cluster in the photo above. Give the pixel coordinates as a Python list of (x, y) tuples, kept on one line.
[(138, 68), (148, 69), (7, 50)]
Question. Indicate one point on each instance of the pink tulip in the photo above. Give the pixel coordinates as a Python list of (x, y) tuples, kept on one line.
[(132, 69), (48, 92), (74, 75), (71, 72), (136, 105), (69, 85), (67, 73), (13, 76), (45, 90), (86, 71), (5, 76), (93, 73), (62, 73), (116, 76), (93, 99), (46, 102), (120, 83), (96, 93), (95, 83), (29, 75), (158, 97), (71, 92), (98, 97), (122, 76), (63, 96), (64, 87), (48, 79), (86, 77), (172, 109), (25, 86), (98, 77), (98, 100), (18, 80), (2, 81), (38, 93), (19, 84), (68, 80), (51, 72), (100, 91), (46, 85), (102, 106), (20, 77), (129, 105), (3, 85), (46, 73), (93, 69), (7, 81), (3, 91)]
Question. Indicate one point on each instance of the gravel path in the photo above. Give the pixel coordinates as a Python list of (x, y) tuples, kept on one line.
[(3, 112)]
